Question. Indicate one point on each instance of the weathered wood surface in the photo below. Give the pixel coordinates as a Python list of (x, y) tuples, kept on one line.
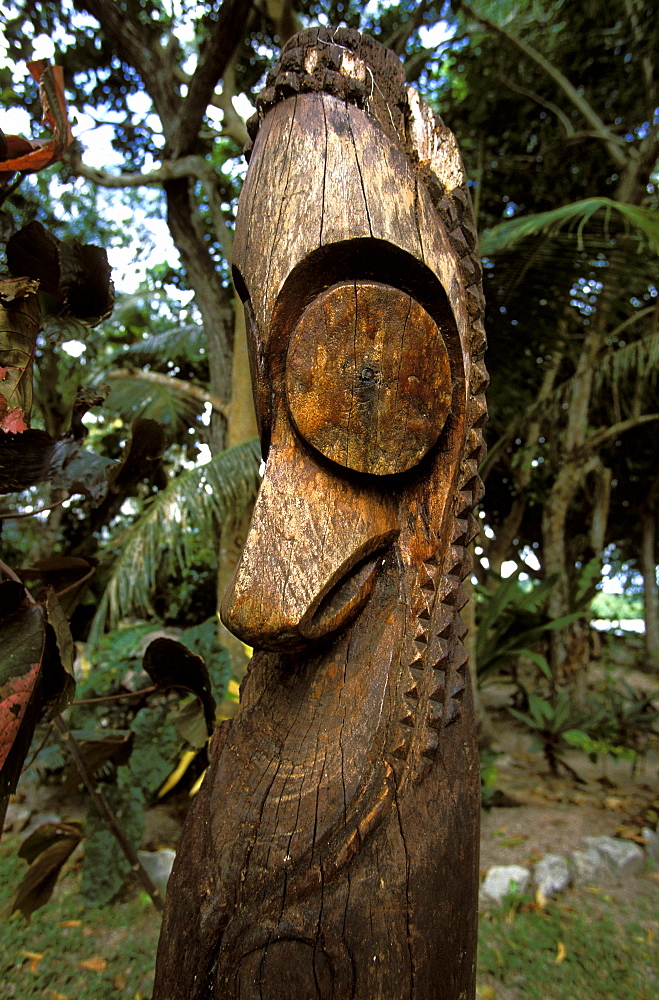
[(333, 849)]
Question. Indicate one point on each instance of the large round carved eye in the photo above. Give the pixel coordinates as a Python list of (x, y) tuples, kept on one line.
[(368, 377)]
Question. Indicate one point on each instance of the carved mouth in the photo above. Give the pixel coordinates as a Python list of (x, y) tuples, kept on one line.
[(347, 597)]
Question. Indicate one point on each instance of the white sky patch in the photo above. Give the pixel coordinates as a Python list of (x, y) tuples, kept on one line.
[(15, 121), (74, 348), (243, 106), (436, 34), (204, 456), (530, 559)]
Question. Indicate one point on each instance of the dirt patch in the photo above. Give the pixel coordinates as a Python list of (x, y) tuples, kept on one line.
[(551, 815)]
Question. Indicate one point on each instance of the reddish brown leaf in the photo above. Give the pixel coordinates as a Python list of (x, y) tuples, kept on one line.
[(14, 422), (41, 153), (36, 675)]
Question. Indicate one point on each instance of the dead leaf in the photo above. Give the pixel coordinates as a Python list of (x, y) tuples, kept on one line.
[(119, 982), (36, 886), (36, 154), (14, 422), (486, 992), (614, 804), (96, 964), (540, 899), (34, 959), (560, 953), (70, 923), (513, 841), (627, 832)]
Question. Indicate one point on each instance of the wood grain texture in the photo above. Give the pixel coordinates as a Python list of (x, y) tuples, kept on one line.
[(332, 851)]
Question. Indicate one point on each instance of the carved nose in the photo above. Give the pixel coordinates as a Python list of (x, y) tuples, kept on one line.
[(315, 546)]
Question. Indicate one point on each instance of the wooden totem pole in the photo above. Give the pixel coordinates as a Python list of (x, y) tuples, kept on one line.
[(332, 852)]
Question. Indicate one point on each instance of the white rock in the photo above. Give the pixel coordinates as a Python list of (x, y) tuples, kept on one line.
[(501, 880), (622, 856), (551, 874), (651, 843), (588, 866), (158, 866), (16, 817)]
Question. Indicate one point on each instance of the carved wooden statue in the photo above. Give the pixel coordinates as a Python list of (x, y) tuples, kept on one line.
[(333, 849)]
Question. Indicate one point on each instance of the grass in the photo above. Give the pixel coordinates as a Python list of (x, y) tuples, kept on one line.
[(70, 951), (574, 948), (585, 947)]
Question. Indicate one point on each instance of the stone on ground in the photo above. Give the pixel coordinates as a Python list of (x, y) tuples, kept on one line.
[(551, 874), (501, 880), (623, 857)]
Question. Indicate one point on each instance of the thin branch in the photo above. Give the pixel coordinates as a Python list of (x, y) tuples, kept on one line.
[(543, 102), (8, 571), (177, 384), (39, 749), (101, 804), (116, 697), (77, 583), (610, 140), (169, 170), (40, 510)]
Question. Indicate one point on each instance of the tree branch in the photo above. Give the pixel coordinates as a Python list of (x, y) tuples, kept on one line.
[(227, 33), (561, 81), (137, 43), (398, 40), (104, 810), (169, 170), (598, 437)]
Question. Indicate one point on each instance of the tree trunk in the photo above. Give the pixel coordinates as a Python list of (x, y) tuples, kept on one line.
[(649, 570)]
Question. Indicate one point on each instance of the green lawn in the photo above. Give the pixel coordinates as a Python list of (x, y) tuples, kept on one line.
[(585, 947), (70, 951)]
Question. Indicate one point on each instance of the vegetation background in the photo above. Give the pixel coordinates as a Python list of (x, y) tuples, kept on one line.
[(555, 107)]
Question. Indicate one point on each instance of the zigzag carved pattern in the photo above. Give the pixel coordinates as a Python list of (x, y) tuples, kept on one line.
[(434, 680)]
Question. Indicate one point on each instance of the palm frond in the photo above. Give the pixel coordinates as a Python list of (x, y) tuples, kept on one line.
[(639, 359), (506, 235), (132, 397), (184, 342), (193, 506)]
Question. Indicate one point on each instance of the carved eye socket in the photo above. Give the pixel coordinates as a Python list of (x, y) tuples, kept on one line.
[(368, 378)]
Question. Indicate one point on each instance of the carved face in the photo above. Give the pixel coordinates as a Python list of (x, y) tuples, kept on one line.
[(357, 381), (357, 367)]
